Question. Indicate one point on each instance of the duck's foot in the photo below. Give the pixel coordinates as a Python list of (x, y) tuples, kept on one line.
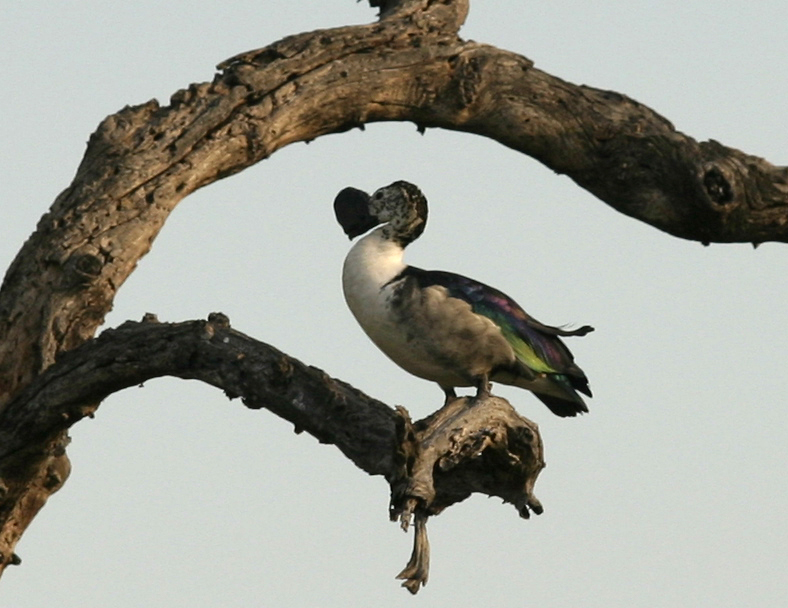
[(450, 395)]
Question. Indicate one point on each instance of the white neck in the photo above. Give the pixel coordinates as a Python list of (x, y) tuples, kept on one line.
[(373, 262)]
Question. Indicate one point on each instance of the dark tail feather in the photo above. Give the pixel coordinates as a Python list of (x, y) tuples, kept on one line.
[(563, 407), (582, 386)]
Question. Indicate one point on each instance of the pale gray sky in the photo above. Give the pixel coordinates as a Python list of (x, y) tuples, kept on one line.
[(670, 493)]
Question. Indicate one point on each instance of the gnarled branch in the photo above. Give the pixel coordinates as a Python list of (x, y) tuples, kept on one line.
[(463, 448), (409, 66), (329, 409)]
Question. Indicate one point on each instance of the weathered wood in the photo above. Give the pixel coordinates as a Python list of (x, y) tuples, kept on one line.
[(138, 165), (262, 376), (409, 66), (469, 445), (465, 447)]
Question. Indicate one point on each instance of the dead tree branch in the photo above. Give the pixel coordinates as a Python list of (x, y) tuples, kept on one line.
[(430, 465), (409, 66), (328, 409)]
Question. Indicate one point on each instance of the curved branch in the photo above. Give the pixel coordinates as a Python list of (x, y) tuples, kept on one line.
[(329, 409), (430, 465), (410, 66)]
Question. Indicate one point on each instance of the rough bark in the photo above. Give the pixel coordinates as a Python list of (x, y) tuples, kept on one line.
[(467, 446), (262, 376), (409, 66)]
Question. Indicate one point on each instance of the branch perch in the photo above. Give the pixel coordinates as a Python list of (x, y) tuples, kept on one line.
[(465, 447), (328, 409), (411, 65)]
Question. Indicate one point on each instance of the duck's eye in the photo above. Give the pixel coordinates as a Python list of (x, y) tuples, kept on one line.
[(377, 196)]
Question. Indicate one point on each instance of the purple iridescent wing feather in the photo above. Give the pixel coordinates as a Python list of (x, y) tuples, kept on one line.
[(537, 346)]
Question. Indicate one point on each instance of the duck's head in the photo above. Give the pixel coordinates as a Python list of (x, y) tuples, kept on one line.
[(400, 205)]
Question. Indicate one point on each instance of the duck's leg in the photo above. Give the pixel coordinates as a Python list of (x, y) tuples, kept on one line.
[(482, 387), (450, 394)]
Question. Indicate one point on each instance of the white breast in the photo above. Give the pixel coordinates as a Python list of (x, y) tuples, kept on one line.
[(432, 336), (369, 266)]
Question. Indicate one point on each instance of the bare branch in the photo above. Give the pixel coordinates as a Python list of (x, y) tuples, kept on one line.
[(142, 161), (210, 351), (410, 66), (463, 448)]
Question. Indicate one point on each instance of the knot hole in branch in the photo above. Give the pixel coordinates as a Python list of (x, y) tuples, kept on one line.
[(83, 268), (717, 186)]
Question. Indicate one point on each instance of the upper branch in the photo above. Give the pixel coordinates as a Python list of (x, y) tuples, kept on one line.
[(410, 66)]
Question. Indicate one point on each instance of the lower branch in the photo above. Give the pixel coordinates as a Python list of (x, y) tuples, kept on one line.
[(465, 447), (329, 409)]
